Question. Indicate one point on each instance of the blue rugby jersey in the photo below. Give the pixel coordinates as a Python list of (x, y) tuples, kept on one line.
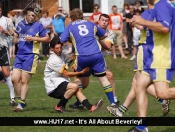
[(162, 46), (82, 34), (25, 29)]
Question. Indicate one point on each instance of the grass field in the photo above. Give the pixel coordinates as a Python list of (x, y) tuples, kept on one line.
[(40, 105)]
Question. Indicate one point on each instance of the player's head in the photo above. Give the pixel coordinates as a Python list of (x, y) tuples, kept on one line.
[(151, 2), (96, 7), (76, 14), (1, 9), (137, 12), (114, 9), (56, 46), (103, 21), (45, 14), (131, 8), (30, 15)]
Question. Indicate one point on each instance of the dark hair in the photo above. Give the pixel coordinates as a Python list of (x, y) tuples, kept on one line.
[(104, 15), (46, 12), (1, 6), (28, 9), (95, 5), (137, 11), (126, 4), (54, 42), (76, 14), (114, 6), (151, 2)]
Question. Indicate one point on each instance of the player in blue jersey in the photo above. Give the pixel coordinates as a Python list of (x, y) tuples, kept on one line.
[(29, 33), (160, 64), (106, 43), (140, 61), (82, 34)]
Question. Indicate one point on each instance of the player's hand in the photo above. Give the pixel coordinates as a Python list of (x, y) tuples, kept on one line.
[(137, 20), (73, 57), (85, 70), (30, 38), (1, 29)]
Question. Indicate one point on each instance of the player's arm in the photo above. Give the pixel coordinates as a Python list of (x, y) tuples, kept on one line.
[(105, 44), (163, 20), (65, 36), (73, 74), (139, 27), (15, 38), (154, 26), (42, 39), (43, 36)]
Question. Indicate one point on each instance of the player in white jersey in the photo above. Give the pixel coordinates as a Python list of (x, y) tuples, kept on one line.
[(58, 84)]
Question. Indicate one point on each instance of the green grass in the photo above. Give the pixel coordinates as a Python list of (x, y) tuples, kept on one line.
[(40, 105)]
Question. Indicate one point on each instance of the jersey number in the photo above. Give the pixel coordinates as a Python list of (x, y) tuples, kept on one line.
[(83, 30)]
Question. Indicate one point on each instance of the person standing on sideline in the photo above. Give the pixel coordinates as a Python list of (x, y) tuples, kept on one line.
[(116, 25), (46, 21), (95, 16)]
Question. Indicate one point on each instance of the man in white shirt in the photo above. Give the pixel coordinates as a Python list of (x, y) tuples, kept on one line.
[(58, 84)]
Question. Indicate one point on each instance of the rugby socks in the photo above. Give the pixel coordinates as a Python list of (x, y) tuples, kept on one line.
[(109, 93), (10, 86), (87, 104), (22, 103), (160, 100), (62, 102), (78, 102), (122, 109)]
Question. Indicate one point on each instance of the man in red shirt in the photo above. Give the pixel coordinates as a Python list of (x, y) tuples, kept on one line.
[(95, 16), (116, 25)]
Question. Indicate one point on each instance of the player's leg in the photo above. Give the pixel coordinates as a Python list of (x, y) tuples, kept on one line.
[(82, 82), (162, 79), (111, 80), (29, 66), (4, 63), (86, 103), (67, 90), (16, 77), (119, 112)]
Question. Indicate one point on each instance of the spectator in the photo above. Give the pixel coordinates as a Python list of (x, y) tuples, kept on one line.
[(116, 25), (137, 6), (46, 21), (95, 16), (129, 16), (11, 15), (136, 37), (59, 22), (124, 12)]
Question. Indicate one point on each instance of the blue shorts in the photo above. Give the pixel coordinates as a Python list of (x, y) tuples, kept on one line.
[(26, 63), (160, 75), (141, 57), (95, 62)]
